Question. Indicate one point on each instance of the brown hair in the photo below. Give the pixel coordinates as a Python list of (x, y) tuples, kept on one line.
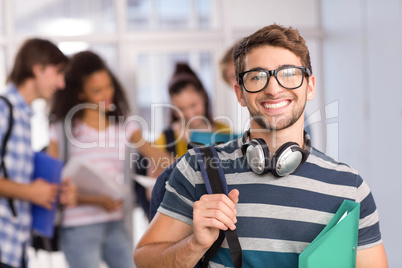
[(273, 35), (35, 51)]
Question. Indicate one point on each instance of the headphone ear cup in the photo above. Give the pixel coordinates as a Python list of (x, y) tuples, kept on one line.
[(287, 159), (258, 157)]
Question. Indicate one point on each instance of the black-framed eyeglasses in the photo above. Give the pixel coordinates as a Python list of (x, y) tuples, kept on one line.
[(289, 77)]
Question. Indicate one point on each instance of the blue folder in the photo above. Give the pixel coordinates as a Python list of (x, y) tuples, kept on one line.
[(209, 138), (336, 245), (49, 169)]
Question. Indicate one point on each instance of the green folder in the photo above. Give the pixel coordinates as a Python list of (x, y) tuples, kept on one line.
[(336, 245)]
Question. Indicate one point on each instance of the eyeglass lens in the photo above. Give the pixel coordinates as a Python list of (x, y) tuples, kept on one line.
[(289, 78)]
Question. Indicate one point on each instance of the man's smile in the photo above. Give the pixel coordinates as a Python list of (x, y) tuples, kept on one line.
[(276, 105)]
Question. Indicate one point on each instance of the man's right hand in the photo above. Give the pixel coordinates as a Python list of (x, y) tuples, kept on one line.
[(169, 242), (42, 193), (213, 212)]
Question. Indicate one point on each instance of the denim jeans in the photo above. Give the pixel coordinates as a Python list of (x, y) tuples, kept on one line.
[(85, 246)]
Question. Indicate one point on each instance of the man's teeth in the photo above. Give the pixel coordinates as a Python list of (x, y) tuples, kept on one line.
[(276, 105)]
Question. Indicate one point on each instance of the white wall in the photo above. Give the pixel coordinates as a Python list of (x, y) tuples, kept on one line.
[(362, 67)]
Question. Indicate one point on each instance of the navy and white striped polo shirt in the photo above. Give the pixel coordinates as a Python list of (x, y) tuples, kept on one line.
[(277, 217)]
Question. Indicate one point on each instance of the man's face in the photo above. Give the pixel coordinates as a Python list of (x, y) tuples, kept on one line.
[(275, 107), (48, 79)]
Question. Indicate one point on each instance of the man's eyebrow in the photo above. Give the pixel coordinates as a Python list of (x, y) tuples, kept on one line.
[(287, 65), (280, 66), (257, 69)]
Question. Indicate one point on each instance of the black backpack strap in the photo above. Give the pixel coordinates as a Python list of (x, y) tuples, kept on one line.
[(170, 141), (211, 169), (4, 149), (7, 135)]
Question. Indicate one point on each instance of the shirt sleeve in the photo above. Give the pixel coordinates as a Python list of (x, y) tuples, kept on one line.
[(369, 225), (185, 186)]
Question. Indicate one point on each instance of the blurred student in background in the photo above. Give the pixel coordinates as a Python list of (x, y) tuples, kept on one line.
[(191, 111), (241, 119), (227, 66), (38, 72), (94, 230)]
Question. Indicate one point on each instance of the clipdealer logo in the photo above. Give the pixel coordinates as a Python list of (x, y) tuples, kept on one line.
[(330, 114)]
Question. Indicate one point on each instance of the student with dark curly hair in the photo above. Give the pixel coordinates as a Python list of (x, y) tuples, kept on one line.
[(94, 109)]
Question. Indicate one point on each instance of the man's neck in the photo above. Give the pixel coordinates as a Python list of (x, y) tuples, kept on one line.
[(276, 138), (28, 92)]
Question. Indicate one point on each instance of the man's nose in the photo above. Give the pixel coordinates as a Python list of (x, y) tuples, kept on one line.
[(273, 88), (61, 82)]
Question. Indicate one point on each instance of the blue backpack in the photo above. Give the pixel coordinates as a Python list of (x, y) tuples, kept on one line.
[(207, 159)]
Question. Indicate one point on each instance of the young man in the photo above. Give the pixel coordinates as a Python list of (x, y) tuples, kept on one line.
[(38, 72), (275, 217)]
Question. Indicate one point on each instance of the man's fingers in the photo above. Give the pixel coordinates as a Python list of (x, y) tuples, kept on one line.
[(234, 196), (218, 207), (218, 199), (216, 218), (229, 211), (54, 189)]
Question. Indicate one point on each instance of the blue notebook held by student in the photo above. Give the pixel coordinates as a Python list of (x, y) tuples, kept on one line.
[(336, 245), (49, 169), (209, 138)]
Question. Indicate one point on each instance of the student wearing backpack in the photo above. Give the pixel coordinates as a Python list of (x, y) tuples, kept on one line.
[(282, 192), (38, 72)]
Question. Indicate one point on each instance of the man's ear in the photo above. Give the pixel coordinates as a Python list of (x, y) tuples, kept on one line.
[(37, 69), (311, 87), (239, 94)]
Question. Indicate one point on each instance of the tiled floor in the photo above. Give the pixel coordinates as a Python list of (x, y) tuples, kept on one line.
[(43, 259)]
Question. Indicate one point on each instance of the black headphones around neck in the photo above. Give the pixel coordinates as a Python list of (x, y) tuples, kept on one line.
[(287, 159)]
